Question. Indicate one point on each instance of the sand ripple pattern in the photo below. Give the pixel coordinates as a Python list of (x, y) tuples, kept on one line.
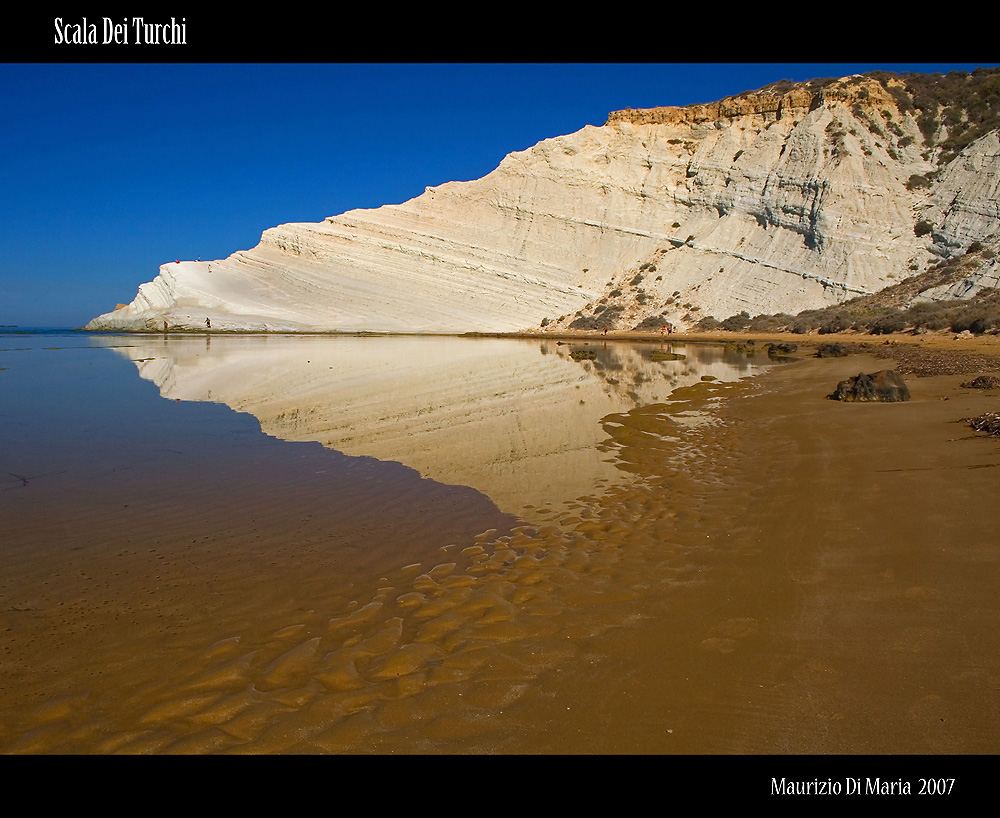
[(432, 659)]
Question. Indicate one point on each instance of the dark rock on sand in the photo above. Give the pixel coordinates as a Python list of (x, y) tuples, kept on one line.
[(886, 385), (983, 382), (781, 349), (832, 351)]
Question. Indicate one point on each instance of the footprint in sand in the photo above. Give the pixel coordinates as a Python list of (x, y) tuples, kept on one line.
[(726, 635), (815, 672)]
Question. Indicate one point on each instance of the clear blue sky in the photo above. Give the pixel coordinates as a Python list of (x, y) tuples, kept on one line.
[(111, 170)]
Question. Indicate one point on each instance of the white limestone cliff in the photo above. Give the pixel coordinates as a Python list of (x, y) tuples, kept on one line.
[(965, 208), (765, 202)]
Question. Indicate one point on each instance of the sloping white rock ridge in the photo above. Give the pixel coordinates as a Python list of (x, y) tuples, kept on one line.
[(771, 201)]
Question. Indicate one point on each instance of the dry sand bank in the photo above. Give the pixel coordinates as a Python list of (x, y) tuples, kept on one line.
[(791, 575)]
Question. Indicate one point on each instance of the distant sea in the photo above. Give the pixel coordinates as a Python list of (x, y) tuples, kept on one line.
[(13, 329)]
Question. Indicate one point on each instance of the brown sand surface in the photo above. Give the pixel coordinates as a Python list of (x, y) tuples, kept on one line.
[(788, 574), (844, 560)]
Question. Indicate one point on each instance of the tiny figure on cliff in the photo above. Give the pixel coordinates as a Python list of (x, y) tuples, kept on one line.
[(208, 323)]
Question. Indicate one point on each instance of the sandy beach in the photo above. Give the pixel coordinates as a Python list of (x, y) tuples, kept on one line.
[(850, 556), (786, 574)]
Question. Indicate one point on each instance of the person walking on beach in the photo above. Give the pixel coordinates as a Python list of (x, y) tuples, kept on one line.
[(208, 323)]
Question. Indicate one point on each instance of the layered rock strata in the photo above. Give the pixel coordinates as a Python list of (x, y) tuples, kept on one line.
[(766, 202)]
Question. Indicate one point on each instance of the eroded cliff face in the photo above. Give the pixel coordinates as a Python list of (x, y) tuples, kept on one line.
[(767, 202), (964, 209)]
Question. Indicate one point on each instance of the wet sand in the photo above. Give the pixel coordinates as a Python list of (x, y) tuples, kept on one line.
[(787, 574), (843, 562)]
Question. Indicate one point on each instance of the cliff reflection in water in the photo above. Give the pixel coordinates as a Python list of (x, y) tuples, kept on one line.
[(517, 419)]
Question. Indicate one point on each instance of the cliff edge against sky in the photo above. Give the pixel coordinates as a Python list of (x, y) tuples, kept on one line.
[(792, 197)]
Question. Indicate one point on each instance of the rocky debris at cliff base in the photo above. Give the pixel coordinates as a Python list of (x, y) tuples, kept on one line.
[(885, 386), (982, 382), (914, 359), (989, 423)]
